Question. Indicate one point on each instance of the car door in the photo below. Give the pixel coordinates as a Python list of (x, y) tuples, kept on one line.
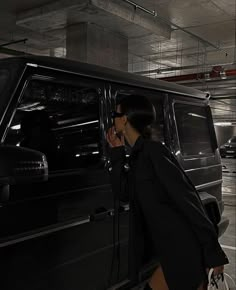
[(114, 93), (58, 234)]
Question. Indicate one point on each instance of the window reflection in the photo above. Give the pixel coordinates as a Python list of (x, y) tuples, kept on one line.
[(61, 121), (193, 130)]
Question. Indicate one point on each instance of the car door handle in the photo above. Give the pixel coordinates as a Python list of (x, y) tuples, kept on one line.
[(100, 213)]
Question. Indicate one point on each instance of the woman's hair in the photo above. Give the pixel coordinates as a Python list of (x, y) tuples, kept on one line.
[(140, 112)]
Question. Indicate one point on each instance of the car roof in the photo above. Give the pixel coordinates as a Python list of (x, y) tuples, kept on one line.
[(104, 73)]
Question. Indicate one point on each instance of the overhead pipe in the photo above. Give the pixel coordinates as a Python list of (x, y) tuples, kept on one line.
[(199, 76), (9, 51), (155, 14), (171, 69), (14, 42)]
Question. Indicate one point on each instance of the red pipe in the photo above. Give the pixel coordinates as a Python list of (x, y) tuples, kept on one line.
[(198, 76)]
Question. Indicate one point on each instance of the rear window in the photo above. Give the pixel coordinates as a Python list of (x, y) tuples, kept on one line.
[(193, 130)]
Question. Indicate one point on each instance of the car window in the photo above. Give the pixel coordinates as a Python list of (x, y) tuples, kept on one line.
[(61, 121), (4, 75), (193, 130)]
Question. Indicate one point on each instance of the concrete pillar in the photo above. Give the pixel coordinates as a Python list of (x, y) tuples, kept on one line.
[(93, 44), (52, 52)]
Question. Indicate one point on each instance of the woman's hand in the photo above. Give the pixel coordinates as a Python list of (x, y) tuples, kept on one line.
[(113, 139), (218, 271)]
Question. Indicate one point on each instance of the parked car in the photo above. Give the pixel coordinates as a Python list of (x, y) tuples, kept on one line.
[(58, 219), (229, 148)]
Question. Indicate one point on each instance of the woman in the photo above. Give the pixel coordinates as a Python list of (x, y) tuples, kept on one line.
[(165, 208)]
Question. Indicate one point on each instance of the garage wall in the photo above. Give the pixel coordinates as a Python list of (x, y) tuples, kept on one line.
[(224, 133)]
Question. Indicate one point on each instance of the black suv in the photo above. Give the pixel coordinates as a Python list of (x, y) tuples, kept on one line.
[(58, 226)]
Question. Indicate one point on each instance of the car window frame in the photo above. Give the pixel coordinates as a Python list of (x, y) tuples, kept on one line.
[(47, 74)]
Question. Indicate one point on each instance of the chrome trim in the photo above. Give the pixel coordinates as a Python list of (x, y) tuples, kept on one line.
[(149, 84), (43, 232), (204, 167), (9, 103), (212, 183), (197, 158), (75, 125)]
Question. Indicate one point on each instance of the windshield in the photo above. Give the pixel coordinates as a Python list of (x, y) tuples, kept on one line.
[(4, 74), (232, 140)]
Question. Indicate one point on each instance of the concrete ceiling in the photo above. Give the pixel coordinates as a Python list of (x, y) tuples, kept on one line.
[(167, 38)]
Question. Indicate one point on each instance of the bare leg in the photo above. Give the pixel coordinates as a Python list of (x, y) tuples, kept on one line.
[(157, 281)]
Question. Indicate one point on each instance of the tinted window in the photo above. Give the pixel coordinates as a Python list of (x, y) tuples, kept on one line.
[(193, 129), (61, 121), (4, 74)]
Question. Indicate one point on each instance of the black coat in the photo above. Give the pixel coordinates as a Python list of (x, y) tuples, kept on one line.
[(166, 210)]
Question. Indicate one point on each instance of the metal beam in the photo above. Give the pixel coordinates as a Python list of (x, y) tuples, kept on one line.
[(167, 21), (43, 18), (14, 42), (9, 51), (178, 68), (223, 96)]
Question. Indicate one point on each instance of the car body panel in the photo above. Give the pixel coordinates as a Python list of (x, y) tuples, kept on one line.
[(62, 231)]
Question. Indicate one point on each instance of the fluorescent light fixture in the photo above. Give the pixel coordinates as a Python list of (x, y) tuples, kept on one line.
[(223, 124), (16, 127), (231, 88), (32, 64), (64, 122), (95, 152), (164, 72), (196, 115), (28, 107)]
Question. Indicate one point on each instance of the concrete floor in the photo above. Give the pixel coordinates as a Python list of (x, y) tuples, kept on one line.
[(228, 240)]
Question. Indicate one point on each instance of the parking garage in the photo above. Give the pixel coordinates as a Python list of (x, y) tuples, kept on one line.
[(63, 67)]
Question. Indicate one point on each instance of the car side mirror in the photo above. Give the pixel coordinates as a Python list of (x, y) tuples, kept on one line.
[(20, 165)]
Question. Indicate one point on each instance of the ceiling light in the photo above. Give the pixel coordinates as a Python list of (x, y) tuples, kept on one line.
[(223, 124), (196, 115), (164, 72), (16, 127), (231, 88)]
